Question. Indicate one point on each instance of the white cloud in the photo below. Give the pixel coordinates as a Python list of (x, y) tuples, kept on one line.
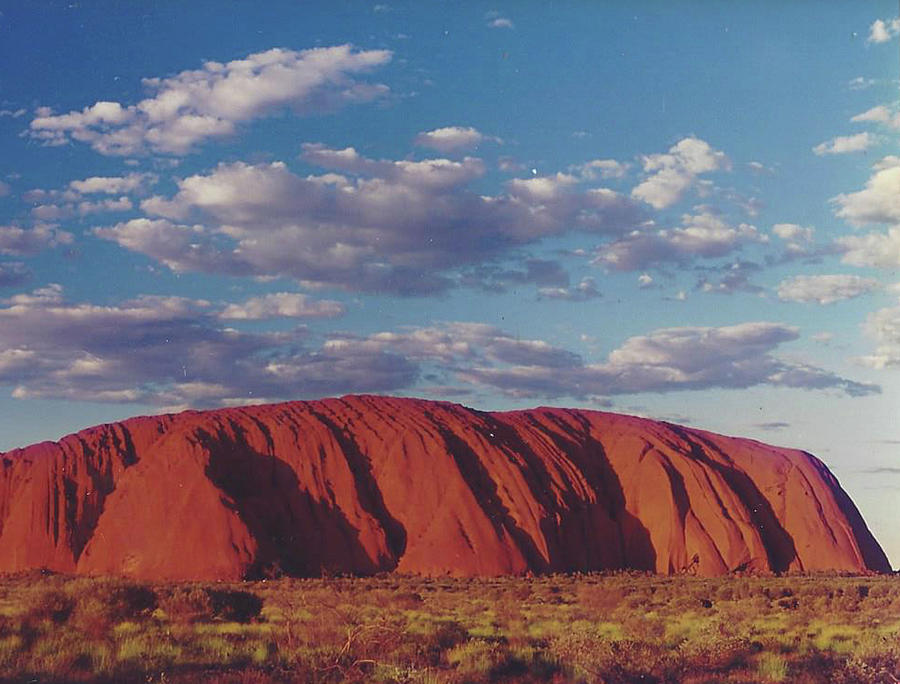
[(170, 351), (825, 289), (282, 305), (56, 205), (884, 326), (860, 83), (798, 241), (451, 138), (17, 241), (664, 360), (879, 114), (701, 235), (791, 232), (878, 202), (601, 168), (759, 167), (193, 106), (501, 22), (882, 31), (57, 212), (365, 225), (846, 144), (671, 175), (880, 250), (180, 247), (887, 162), (541, 188), (175, 351), (113, 185), (585, 290), (645, 280)]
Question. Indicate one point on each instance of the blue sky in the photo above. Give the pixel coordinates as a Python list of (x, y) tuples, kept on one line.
[(682, 210)]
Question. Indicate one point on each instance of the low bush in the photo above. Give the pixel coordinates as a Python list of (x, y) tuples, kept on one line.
[(186, 603), (613, 628), (51, 604), (235, 606)]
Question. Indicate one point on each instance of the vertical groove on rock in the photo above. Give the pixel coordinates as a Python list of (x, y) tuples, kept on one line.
[(371, 498)]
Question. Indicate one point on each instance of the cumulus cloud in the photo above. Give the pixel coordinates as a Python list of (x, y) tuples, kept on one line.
[(175, 351), (881, 250), (193, 106), (16, 241), (170, 351), (825, 289), (671, 175), (451, 138), (878, 202), (664, 360), (794, 234), (57, 212), (113, 185), (282, 305), (364, 224), (701, 235), (845, 144), (884, 326), (179, 247), (77, 198), (879, 114), (881, 31)]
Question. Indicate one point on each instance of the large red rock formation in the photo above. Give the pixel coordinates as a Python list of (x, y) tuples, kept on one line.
[(366, 484)]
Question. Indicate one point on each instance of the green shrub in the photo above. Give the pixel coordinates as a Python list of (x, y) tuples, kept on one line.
[(473, 657), (771, 667)]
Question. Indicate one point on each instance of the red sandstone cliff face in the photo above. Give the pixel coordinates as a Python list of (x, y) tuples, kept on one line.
[(367, 484)]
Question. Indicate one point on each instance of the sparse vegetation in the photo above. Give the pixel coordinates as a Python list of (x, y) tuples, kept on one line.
[(616, 628)]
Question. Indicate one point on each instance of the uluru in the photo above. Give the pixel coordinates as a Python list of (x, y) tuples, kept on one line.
[(368, 484)]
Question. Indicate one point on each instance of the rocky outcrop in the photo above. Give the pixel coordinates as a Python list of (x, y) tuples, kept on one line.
[(366, 484)]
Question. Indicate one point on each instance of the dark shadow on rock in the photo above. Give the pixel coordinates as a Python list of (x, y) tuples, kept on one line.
[(296, 534), (589, 535), (872, 553), (85, 501), (370, 496), (484, 489), (779, 545)]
